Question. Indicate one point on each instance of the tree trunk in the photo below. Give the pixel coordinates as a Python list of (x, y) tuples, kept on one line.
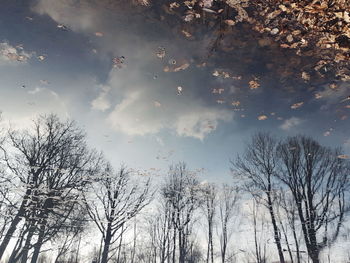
[(314, 257), (14, 223), (26, 247), (120, 244), (313, 249), (296, 242), (181, 247), (224, 244), (174, 246), (78, 249), (275, 227), (11, 230), (107, 242), (16, 252), (39, 242), (211, 245)]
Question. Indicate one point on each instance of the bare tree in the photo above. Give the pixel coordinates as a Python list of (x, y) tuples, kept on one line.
[(209, 196), (69, 233), (260, 249), (115, 200), (228, 198), (316, 176), (52, 163), (258, 167), (181, 189), (159, 226), (286, 208)]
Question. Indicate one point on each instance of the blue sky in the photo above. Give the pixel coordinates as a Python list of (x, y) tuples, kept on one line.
[(135, 112)]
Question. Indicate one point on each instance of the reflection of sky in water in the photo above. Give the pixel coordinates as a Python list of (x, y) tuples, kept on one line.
[(119, 75)]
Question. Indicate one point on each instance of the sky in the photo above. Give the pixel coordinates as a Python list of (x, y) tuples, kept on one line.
[(139, 91)]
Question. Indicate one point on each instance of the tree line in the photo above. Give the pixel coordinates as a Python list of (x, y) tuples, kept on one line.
[(55, 191)]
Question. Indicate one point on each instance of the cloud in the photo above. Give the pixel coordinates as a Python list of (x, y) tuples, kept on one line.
[(130, 116), (137, 115), (21, 110), (77, 17), (35, 91), (12, 55), (291, 123), (102, 103), (140, 104), (199, 123)]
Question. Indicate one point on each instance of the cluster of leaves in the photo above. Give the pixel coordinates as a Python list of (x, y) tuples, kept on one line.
[(307, 39)]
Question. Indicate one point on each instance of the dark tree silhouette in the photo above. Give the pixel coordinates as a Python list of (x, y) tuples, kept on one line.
[(182, 191), (209, 207), (115, 199), (52, 164), (317, 178), (258, 167), (227, 199)]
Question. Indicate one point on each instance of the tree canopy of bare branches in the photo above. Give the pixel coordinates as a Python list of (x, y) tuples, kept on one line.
[(317, 178), (115, 199)]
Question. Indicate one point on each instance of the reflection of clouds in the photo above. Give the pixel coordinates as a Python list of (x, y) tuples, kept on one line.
[(20, 110), (139, 105), (66, 13), (291, 123), (102, 103), (199, 123)]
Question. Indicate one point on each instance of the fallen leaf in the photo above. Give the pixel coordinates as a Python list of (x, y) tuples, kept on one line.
[(333, 86), (41, 57), (305, 76), (253, 84), (327, 133), (318, 96), (236, 103), (262, 117), (161, 52), (296, 105), (182, 67), (230, 22), (179, 90), (343, 156), (186, 33)]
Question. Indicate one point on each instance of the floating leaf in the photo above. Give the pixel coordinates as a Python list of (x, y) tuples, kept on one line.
[(262, 117), (253, 84), (296, 105)]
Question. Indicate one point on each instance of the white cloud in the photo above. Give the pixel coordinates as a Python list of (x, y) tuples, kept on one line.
[(35, 91), (200, 122), (12, 55), (76, 16), (21, 110), (140, 105), (130, 116), (102, 102), (137, 115), (291, 123)]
